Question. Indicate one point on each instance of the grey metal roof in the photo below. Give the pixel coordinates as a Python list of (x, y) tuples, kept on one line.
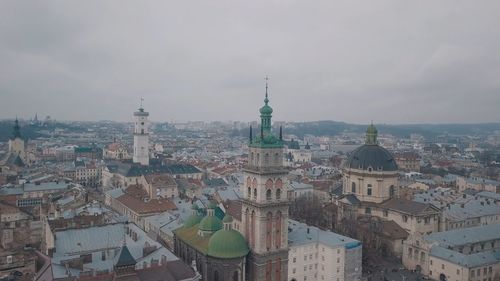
[(470, 261), (374, 156), (302, 234), (458, 237)]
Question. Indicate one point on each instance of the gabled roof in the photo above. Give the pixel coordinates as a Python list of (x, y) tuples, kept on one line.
[(408, 206)]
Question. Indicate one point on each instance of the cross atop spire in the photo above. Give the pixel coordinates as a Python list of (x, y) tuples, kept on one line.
[(266, 100)]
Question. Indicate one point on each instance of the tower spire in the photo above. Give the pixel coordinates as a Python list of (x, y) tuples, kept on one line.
[(266, 100), (251, 137)]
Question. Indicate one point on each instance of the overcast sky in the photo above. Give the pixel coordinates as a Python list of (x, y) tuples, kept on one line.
[(354, 61)]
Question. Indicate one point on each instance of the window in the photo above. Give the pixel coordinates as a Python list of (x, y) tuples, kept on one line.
[(405, 218), (278, 194), (249, 192), (368, 211), (353, 188), (442, 266), (255, 193), (269, 230), (386, 213), (294, 261), (269, 195), (216, 275), (369, 189)]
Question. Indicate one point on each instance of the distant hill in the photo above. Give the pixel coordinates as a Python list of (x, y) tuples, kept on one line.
[(427, 130)]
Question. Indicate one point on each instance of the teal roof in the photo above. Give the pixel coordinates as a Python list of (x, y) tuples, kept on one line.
[(269, 141), (210, 223), (227, 244), (125, 258), (266, 110)]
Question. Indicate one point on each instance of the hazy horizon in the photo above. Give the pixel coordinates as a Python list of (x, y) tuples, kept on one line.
[(391, 62)]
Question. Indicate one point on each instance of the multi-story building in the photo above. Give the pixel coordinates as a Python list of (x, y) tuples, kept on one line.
[(478, 184), (461, 254), (408, 161), (316, 254), (88, 173), (461, 210)]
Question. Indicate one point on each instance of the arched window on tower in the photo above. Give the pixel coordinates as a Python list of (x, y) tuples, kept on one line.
[(269, 270), (269, 195), (247, 224), (252, 229), (249, 192), (269, 230), (216, 275), (278, 227), (353, 187), (255, 193), (278, 194), (278, 269)]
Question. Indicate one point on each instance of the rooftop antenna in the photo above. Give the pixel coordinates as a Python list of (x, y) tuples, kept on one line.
[(142, 99)]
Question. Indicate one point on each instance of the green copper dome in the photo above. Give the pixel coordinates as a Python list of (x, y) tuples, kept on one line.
[(227, 244), (227, 219), (266, 110), (192, 220), (210, 223)]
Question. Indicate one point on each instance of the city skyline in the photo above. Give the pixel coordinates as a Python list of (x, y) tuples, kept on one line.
[(390, 62)]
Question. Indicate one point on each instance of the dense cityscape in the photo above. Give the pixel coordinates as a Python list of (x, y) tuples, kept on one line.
[(245, 201), (249, 140)]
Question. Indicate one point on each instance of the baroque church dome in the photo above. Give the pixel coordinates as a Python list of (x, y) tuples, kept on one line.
[(227, 243), (371, 155), (210, 222)]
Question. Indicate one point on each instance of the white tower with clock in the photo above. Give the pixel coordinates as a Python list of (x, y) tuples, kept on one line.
[(141, 137)]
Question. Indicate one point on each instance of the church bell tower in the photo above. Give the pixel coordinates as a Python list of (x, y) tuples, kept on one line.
[(265, 203)]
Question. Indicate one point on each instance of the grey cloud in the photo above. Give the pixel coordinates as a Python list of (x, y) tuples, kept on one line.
[(387, 61)]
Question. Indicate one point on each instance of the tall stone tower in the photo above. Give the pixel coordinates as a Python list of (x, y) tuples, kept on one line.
[(17, 144), (141, 137), (265, 203)]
